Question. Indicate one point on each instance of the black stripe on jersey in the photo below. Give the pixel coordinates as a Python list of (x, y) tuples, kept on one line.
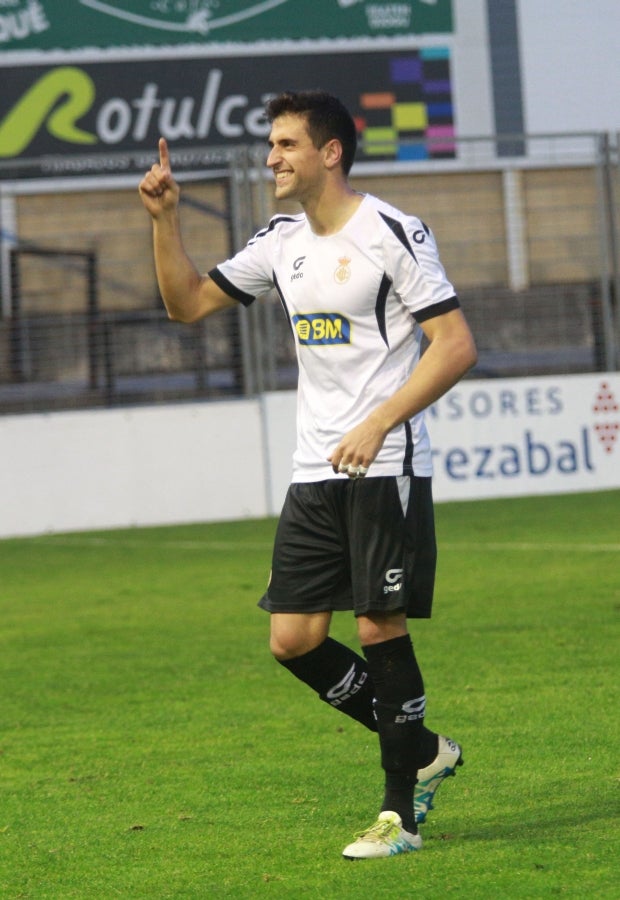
[(272, 224), (396, 227), (282, 300), (384, 288), (229, 288), (408, 460), (436, 309)]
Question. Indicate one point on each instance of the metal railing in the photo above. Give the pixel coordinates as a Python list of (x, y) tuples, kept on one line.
[(531, 244)]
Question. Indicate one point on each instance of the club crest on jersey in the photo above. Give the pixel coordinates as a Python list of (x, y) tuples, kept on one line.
[(343, 272), (322, 328)]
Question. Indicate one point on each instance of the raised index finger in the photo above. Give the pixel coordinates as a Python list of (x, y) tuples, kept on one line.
[(164, 156)]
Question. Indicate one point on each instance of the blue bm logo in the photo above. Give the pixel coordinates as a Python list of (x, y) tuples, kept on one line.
[(322, 328)]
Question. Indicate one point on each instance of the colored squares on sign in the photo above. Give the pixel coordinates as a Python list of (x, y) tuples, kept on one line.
[(406, 70), (377, 101), (435, 53), (412, 151), (437, 87), (441, 139), (380, 141), (410, 117)]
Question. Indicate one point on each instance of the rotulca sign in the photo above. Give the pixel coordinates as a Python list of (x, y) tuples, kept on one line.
[(55, 101), (105, 117)]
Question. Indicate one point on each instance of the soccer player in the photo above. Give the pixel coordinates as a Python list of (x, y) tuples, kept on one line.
[(360, 282)]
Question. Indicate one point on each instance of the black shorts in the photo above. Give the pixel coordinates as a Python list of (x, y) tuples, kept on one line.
[(366, 545)]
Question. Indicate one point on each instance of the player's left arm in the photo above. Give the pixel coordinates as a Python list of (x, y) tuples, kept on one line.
[(450, 354)]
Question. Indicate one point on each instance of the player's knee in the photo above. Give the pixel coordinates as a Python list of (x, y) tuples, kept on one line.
[(375, 629), (286, 645), (295, 635), (278, 648)]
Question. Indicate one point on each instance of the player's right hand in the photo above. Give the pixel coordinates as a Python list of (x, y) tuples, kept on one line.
[(158, 189)]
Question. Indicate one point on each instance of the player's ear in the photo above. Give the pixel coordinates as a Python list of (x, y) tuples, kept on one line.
[(333, 153)]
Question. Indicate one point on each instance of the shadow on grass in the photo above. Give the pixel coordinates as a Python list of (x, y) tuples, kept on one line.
[(540, 826)]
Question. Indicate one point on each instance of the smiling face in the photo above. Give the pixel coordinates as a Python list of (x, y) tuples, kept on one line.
[(299, 168)]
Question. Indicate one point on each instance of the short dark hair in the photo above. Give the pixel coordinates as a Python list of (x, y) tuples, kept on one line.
[(326, 118)]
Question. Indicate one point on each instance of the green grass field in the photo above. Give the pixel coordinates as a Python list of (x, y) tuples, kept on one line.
[(151, 748)]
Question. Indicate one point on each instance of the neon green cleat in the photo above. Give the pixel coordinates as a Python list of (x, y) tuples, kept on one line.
[(386, 837)]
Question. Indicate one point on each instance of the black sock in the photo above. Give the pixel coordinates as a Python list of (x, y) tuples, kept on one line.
[(406, 744), (340, 678)]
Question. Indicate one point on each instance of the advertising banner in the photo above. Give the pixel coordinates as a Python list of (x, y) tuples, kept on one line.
[(524, 436), (51, 25), (105, 117), (505, 437)]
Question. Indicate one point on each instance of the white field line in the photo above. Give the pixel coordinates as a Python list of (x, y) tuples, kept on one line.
[(528, 546), (226, 546), (83, 541)]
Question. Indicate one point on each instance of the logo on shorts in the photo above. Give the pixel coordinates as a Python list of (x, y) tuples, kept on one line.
[(322, 328), (393, 580)]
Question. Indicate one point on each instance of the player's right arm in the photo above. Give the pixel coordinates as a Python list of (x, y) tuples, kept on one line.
[(187, 294)]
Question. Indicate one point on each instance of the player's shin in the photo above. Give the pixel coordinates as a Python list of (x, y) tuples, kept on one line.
[(400, 706), (340, 678)]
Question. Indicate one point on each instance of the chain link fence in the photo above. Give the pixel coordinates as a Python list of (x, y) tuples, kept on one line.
[(530, 243)]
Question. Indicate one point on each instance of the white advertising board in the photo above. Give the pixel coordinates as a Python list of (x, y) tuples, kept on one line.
[(498, 438), (522, 436), (214, 461)]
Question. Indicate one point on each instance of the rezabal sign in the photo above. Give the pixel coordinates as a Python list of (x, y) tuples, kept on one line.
[(526, 436), (504, 437)]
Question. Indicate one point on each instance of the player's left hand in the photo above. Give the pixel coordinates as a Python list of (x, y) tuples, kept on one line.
[(357, 450), (158, 189)]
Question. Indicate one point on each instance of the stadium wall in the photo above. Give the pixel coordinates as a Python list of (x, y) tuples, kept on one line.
[(75, 471)]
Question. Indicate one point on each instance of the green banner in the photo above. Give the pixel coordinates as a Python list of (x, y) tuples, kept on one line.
[(71, 25)]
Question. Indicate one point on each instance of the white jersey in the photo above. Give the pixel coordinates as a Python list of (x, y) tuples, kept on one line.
[(354, 300)]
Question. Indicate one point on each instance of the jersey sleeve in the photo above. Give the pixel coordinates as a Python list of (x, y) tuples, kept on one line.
[(416, 272), (249, 272)]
